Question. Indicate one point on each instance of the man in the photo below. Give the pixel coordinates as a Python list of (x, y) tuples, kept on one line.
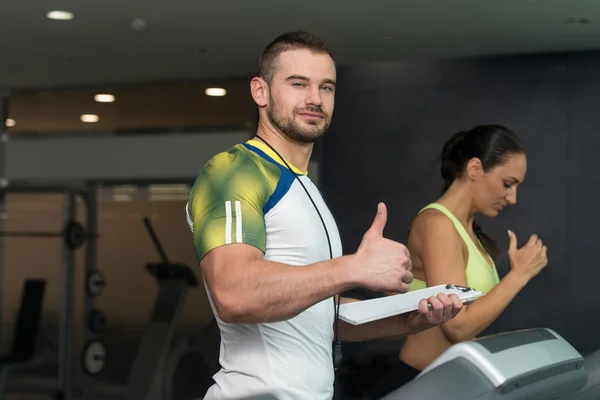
[(269, 249)]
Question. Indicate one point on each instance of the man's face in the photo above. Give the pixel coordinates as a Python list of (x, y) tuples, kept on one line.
[(302, 95)]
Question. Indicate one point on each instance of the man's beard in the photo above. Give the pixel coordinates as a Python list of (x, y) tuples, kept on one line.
[(293, 130)]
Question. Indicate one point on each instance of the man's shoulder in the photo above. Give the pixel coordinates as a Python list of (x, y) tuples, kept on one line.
[(237, 170), (239, 160), (234, 157)]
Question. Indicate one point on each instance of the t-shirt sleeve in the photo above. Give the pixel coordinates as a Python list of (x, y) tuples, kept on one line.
[(226, 204)]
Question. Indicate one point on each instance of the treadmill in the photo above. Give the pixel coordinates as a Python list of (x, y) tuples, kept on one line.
[(591, 390), (531, 364)]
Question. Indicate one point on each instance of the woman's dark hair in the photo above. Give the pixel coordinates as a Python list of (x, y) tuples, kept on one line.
[(492, 144)]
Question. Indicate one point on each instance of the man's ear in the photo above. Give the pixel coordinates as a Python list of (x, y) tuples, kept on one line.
[(260, 91), (474, 168)]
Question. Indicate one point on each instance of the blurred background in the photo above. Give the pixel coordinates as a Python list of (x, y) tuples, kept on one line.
[(130, 99)]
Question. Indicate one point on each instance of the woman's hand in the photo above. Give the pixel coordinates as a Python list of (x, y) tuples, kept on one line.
[(529, 260)]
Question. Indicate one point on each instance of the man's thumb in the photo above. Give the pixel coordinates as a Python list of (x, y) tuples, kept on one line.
[(512, 246), (380, 219)]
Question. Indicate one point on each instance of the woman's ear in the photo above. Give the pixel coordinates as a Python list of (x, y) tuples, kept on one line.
[(474, 169)]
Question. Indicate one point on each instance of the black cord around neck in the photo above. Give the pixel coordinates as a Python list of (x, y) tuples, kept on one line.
[(337, 347)]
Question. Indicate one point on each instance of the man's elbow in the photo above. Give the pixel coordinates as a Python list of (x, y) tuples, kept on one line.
[(229, 307)]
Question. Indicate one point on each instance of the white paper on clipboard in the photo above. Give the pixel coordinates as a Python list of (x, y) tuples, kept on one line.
[(361, 312)]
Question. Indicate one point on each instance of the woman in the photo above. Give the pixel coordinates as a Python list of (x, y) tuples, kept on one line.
[(482, 169)]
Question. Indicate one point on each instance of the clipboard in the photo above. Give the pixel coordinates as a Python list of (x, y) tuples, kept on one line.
[(361, 312)]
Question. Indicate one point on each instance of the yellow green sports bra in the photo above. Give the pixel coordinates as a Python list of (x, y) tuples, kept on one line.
[(479, 275)]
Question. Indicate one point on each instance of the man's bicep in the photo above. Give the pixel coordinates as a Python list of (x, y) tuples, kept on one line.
[(226, 261), (442, 253)]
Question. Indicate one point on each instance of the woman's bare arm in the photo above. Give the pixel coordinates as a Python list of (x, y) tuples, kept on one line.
[(441, 250)]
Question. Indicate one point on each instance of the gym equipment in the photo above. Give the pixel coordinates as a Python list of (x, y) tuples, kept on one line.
[(160, 367), (71, 382), (94, 357), (74, 234), (591, 390), (96, 321), (26, 331), (95, 283), (529, 364)]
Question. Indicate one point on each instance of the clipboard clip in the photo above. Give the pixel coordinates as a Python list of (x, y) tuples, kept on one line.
[(463, 289)]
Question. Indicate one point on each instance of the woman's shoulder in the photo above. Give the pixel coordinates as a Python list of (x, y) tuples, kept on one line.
[(434, 231), (432, 219), (433, 226)]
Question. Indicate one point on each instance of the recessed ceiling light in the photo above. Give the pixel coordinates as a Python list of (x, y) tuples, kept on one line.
[(89, 118), (104, 98), (60, 15), (215, 92), (10, 122)]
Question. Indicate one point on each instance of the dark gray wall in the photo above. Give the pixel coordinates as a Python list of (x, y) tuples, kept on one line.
[(389, 126)]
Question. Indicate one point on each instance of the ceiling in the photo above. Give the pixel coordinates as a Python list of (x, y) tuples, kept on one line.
[(199, 39)]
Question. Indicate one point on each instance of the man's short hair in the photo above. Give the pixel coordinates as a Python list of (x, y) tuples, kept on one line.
[(288, 41)]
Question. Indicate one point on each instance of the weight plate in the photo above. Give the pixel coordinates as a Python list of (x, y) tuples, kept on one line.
[(94, 357), (74, 235), (95, 284), (96, 321)]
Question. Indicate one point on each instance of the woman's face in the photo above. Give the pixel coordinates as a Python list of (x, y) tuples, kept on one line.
[(497, 188)]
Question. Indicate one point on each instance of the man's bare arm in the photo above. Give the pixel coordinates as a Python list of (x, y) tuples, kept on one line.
[(248, 289)]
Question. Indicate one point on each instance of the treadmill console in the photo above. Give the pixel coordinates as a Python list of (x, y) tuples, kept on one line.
[(528, 364)]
